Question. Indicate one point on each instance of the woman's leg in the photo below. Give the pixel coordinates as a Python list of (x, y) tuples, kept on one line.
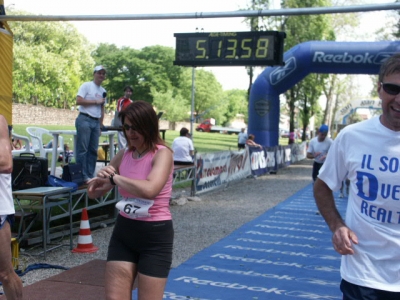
[(119, 278), (150, 288)]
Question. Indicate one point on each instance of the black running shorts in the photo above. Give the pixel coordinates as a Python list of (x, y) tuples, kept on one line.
[(147, 244)]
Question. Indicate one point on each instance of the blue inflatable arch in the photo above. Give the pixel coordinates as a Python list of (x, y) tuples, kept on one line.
[(301, 60)]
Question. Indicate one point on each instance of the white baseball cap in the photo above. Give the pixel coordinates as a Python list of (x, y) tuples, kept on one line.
[(98, 68)]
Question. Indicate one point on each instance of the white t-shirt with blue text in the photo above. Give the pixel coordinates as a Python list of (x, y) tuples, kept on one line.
[(370, 154)]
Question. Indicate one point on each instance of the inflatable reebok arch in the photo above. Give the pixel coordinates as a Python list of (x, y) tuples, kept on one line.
[(301, 60)]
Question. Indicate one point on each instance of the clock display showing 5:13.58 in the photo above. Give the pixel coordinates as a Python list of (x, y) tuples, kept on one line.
[(229, 48)]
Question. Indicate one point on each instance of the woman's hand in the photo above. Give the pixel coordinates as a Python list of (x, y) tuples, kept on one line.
[(98, 186), (106, 171)]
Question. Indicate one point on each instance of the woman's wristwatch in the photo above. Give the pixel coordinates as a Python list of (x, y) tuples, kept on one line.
[(111, 177)]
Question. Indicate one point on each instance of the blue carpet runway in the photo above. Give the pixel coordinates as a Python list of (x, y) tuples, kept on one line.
[(286, 253)]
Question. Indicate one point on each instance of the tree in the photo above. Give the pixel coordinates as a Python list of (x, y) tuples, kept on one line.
[(237, 104), (209, 102), (303, 98), (299, 29), (313, 27), (174, 107), (148, 71), (51, 60), (253, 22)]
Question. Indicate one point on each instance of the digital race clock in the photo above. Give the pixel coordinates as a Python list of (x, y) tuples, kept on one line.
[(253, 48)]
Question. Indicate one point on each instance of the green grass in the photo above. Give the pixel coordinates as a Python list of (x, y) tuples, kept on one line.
[(212, 142), (203, 141)]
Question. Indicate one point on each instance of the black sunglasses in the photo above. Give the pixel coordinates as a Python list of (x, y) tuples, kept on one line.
[(391, 89), (127, 127)]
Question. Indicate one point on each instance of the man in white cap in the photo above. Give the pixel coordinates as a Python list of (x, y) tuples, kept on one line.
[(91, 99)]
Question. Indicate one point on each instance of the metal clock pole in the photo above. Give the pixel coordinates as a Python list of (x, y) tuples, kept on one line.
[(192, 109)]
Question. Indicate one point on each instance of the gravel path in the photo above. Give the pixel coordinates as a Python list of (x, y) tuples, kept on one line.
[(197, 224)]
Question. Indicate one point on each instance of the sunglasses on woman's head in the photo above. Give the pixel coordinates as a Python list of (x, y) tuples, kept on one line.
[(391, 88)]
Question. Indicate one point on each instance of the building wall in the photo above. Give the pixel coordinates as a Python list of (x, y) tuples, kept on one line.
[(40, 115)]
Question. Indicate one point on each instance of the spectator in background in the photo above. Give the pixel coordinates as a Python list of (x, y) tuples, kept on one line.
[(183, 148), (318, 149), (16, 144), (369, 238), (250, 141), (242, 137), (67, 155), (122, 103), (91, 99), (12, 284)]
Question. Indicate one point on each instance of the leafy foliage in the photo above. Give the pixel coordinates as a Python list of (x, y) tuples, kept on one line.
[(51, 60), (174, 107), (237, 104), (209, 102), (144, 70)]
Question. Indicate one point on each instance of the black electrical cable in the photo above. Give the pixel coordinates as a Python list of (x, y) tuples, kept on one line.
[(39, 266), (35, 267)]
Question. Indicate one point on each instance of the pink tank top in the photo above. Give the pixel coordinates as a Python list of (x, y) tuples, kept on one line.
[(139, 169)]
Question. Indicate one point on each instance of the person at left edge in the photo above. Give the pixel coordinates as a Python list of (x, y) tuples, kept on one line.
[(12, 284), (91, 100)]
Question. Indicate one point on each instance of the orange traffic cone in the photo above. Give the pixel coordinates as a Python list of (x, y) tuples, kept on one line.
[(85, 242)]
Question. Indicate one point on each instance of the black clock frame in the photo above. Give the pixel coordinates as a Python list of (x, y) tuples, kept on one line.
[(252, 48)]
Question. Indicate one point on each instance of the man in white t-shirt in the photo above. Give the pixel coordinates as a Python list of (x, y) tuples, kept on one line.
[(183, 148), (318, 149), (91, 99), (368, 154)]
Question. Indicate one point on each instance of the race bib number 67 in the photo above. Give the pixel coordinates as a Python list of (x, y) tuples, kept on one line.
[(135, 207)]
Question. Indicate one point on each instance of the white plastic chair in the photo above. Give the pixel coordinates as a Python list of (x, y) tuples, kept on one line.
[(26, 147), (36, 134)]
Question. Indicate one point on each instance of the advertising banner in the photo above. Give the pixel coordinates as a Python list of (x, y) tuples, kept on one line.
[(212, 170), (239, 166)]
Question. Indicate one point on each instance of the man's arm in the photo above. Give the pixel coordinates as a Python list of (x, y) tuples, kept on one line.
[(84, 102), (343, 237), (5, 147), (310, 155), (191, 150), (102, 115), (310, 151)]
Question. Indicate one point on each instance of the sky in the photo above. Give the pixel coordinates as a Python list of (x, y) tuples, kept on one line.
[(139, 34)]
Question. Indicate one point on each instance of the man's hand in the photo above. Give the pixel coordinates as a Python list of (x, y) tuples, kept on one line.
[(343, 239)]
